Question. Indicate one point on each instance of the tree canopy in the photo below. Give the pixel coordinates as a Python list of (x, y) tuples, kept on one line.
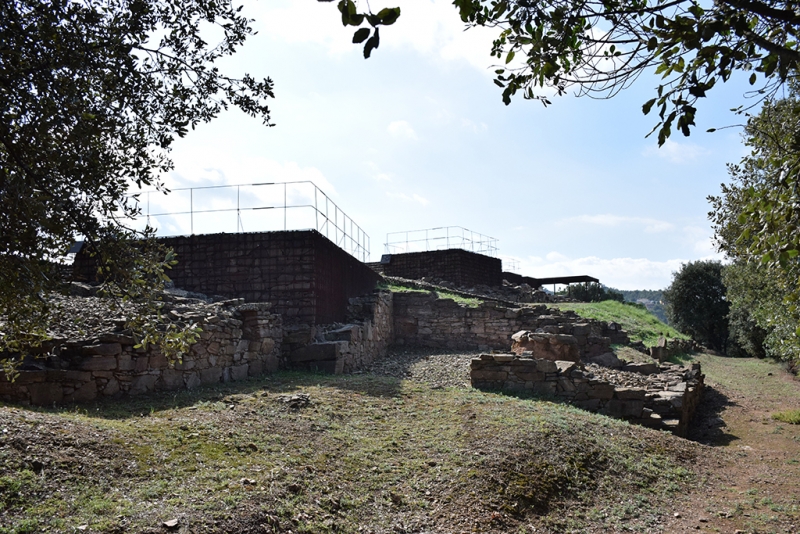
[(696, 303), (756, 221), (600, 47), (92, 95)]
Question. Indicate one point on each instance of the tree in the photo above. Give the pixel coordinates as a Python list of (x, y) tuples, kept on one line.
[(600, 47), (592, 292), (756, 220), (92, 95), (696, 303)]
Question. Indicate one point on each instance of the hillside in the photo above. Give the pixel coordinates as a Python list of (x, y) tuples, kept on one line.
[(640, 324), (653, 300)]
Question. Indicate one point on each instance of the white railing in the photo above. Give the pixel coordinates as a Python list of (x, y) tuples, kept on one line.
[(440, 238), (261, 207)]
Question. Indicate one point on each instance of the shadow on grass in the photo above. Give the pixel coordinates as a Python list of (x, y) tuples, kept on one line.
[(708, 427), (285, 382)]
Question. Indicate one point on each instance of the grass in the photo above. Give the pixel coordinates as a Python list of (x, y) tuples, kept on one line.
[(788, 416), (464, 301), (640, 324), (367, 452)]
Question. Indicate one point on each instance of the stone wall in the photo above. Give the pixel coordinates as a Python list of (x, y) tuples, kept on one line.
[(668, 403), (345, 348), (461, 267), (667, 348), (423, 319), (307, 277), (241, 341)]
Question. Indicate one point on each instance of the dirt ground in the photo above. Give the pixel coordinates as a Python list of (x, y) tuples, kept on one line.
[(753, 462)]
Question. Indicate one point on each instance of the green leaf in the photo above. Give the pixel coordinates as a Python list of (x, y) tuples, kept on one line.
[(361, 35), (371, 44), (648, 105), (509, 57), (389, 16), (753, 79)]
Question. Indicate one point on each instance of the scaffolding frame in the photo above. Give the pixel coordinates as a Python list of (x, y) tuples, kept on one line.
[(440, 238), (329, 219)]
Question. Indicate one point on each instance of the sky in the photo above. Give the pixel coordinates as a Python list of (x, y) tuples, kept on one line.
[(417, 137)]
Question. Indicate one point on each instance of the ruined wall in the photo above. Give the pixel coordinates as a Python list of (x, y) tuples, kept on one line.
[(306, 276), (234, 344), (668, 403), (458, 266), (422, 319), (353, 346)]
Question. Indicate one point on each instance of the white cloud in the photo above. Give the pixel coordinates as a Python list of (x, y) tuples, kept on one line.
[(610, 220), (473, 127), (431, 28), (409, 198), (402, 129), (621, 273), (676, 152), (382, 177)]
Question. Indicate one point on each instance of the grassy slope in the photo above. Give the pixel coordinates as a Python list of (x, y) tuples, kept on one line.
[(640, 324), (367, 452)]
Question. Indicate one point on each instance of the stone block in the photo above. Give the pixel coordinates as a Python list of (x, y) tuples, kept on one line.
[(566, 367), (255, 368), (630, 393), (271, 363), (239, 372), (143, 384), (192, 380), (544, 388), (102, 349), (315, 352), (99, 363), (43, 394), (125, 362), (157, 361), (211, 375), (86, 392), (626, 408), (170, 379), (528, 376), (489, 375), (111, 388), (140, 363), (601, 391), (546, 366)]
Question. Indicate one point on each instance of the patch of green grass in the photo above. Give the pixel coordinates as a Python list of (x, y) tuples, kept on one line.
[(640, 324), (789, 416), (367, 451), (442, 294)]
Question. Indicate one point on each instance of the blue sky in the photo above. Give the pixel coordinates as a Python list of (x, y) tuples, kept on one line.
[(417, 137)]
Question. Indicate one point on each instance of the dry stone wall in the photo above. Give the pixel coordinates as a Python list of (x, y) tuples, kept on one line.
[(235, 343), (423, 319), (667, 401), (344, 348)]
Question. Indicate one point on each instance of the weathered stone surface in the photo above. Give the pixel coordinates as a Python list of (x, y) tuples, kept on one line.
[(102, 349), (546, 346), (43, 394), (608, 359), (99, 363)]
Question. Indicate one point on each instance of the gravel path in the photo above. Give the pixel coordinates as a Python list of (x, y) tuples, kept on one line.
[(437, 368)]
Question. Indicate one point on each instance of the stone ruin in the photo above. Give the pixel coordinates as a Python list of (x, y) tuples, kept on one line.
[(663, 396)]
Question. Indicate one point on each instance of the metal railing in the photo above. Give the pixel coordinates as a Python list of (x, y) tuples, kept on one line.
[(440, 238), (257, 207), (511, 265)]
